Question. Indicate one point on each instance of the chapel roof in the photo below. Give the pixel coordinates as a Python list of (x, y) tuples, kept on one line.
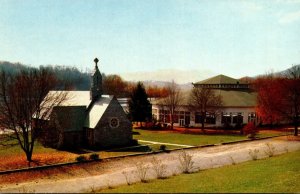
[(97, 110), (78, 99)]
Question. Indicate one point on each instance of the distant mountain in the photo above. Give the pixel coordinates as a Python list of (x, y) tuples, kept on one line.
[(278, 73), (284, 72), (155, 83), (247, 79), (167, 75), (81, 80), (147, 83)]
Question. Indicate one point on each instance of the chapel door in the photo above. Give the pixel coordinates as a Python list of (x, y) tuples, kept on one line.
[(90, 137)]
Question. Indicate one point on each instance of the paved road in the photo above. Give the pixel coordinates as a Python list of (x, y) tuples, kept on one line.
[(204, 158), (155, 142)]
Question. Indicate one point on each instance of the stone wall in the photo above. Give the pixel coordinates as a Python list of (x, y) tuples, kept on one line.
[(111, 135), (71, 140)]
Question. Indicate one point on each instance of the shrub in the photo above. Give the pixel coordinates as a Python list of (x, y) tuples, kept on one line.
[(270, 149), (160, 169), (186, 162), (253, 154), (93, 190), (232, 160), (94, 157), (142, 170), (126, 175), (109, 186), (163, 148), (250, 130), (81, 158)]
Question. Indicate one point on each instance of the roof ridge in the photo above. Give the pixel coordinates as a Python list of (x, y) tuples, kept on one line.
[(219, 79)]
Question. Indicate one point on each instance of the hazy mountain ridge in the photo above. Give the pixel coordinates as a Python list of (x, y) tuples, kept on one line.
[(159, 78), (148, 83), (284, 72), (167, 75)]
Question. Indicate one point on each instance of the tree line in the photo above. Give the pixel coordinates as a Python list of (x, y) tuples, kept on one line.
[(71, 78)]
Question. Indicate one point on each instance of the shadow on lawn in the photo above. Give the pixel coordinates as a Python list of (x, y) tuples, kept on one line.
[(195, 131), (138, 148), (208, 131)]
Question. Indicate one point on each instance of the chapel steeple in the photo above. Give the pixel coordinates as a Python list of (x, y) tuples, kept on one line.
[(96, 82)]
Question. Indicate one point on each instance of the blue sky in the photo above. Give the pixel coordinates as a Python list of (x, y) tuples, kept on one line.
[(195, 38)]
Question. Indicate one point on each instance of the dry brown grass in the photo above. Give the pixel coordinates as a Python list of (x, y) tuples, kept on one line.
[(56, 173), (289, 138), (19, 161), (77, 170)]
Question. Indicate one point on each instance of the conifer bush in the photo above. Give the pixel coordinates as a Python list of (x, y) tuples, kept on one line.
[(81, 158), (94, 156)]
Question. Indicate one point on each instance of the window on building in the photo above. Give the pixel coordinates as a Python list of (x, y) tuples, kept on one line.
[(237, 118), (187, 120), (251, 117), (197, 117), (210, 118), (240, 119), (114, 122), (226, 118)]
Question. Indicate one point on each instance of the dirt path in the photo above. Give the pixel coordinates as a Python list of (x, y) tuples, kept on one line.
[(125, 170)]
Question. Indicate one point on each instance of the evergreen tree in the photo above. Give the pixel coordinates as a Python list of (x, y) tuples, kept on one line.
[(139, 105)]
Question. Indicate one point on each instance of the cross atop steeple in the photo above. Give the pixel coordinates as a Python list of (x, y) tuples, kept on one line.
[(96, 60)]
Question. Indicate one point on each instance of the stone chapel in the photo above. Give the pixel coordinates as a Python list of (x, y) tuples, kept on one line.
[(87, 119)]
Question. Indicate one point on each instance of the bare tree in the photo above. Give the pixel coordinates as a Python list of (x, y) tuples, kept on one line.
[(204, 100), (23, 103), (173, 100), (115, 85)]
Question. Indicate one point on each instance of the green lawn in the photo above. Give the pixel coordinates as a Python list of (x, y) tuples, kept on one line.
[(276, 174), (186, 139), (12, 157)]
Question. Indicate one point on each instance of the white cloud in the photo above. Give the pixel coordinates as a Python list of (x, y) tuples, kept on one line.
[(289, 17), (288, 1), (251, 6), (247, 9)]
